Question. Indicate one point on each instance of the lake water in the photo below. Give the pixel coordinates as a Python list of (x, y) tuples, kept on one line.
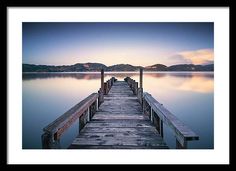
[(189, 96)]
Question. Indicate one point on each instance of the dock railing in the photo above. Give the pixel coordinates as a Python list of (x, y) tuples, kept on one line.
[(83, 111), (158, 115)]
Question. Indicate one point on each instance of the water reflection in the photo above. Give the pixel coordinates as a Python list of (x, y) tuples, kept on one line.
[(195, 82), (200, 82), (86, 76), (31, 76)]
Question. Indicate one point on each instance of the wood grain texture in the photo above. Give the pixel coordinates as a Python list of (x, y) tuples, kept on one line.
[(119, 123)]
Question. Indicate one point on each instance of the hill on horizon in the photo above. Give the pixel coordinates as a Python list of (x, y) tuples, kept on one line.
[(95, 67)]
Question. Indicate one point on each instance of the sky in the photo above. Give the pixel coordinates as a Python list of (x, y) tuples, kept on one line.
[(140, 44)]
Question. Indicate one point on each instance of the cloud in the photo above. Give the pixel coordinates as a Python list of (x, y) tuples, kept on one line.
[(198, 57), (178, 59)]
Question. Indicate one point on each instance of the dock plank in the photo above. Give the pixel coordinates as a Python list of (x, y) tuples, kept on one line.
[(119, 124)]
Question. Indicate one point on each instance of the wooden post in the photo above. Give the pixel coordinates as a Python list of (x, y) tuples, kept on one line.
[(151, 115), (102, 80), (136, 88), (105, 88), (161, 128), (88, 113), (141, 86), (109, 85), (140, 95), (95, 107), (132, 85), (100, 97), (156, 120), (48, 141), (179, 146), (141, 78), (145, 108), (143, 102), (79, 126), (101, 91), (112, 81)]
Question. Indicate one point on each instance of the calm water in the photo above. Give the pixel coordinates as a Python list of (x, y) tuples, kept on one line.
[(189, 96)]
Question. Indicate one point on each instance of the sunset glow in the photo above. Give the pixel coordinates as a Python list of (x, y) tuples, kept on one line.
[(115, 43), (202, 56)]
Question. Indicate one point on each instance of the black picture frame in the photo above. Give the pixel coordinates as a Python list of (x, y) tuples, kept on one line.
[(71, 3)]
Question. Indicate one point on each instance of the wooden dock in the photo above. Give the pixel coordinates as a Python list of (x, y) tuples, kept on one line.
[(119, 123), (119, 116)]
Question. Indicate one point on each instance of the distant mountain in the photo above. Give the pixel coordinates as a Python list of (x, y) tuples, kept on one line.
[(39, 68), (209, 67), (156, 67), (86, 67), (79, 67), (191, 67), (123, 67)]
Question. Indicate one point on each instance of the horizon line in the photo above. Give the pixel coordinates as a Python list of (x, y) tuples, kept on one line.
[(118, 64)]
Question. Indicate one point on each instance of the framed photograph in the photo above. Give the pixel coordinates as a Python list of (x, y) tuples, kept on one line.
[(113, 85)]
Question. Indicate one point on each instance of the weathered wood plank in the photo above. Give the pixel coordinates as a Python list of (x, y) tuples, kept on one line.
[(117, 116), (115, 147), (117, 129), (122, 121), (144, 135), (130, 141), (122, 124)]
